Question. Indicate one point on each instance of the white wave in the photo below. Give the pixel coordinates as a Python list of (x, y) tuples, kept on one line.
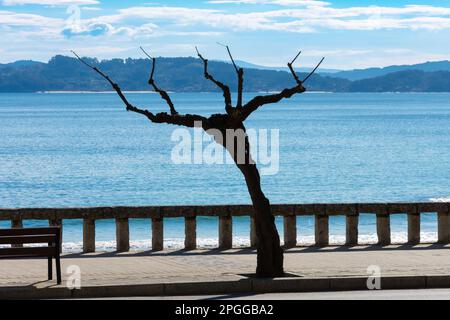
[(146, 244), (441, 199), (364, 239), (240, 242), (244, 242)]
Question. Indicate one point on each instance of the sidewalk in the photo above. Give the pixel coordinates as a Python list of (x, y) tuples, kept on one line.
[(212, 271)]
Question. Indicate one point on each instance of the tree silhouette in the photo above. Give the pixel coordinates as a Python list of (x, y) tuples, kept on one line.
[(269, 251)]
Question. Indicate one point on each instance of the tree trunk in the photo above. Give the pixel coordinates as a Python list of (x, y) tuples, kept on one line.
[(270, 253)]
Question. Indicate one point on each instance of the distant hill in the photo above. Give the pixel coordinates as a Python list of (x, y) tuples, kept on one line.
[(63, 73), (405, 81), (185, 74), (20, 63), (359, 74), (245, 64)]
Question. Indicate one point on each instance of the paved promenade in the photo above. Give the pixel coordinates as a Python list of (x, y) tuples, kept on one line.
[(200, 266)]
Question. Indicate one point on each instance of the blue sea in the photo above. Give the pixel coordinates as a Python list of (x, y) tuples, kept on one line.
[(84, 149)]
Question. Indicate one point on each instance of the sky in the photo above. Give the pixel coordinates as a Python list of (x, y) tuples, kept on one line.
[(350, 34)]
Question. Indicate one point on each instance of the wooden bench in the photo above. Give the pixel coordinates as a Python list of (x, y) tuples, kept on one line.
[(18, 237)]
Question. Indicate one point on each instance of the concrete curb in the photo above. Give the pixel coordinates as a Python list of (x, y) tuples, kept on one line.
[(294, 284)]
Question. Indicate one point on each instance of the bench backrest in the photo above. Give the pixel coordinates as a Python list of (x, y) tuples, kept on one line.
[(29, 231), (49, 235)]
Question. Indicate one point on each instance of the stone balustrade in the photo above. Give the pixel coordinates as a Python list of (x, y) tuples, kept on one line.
[(289, 212)]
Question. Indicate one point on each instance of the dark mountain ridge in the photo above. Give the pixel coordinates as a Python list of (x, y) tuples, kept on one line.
[(359, 74), (185, 74)]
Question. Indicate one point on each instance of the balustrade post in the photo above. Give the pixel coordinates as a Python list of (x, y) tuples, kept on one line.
[(225, 232), (17, 223), (157, 234), (443, 227), (321, 230), (413, 227), (190, 229), (122, 235), (383, 228), (88, 235), (351, 230), (290, 231)]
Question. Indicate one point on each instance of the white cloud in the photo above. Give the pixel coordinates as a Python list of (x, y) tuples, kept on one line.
[(91, 8), (355, 58), (335, 52), (180, 16), (308, 16), (275, 2), (100, 29), (305, 19), (96, 29), (10, 18), (92, 29), (49, 2), (95, 50)]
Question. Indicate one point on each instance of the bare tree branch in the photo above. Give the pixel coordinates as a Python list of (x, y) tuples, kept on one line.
[(240, 87), (128, 105), (240, 75), (164, 95), (292, 69), (187, 120), (223, 87), (259, 101), (229, 53), (314, 70)]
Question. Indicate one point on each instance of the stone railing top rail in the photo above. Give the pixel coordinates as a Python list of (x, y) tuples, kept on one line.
[(221, 210)]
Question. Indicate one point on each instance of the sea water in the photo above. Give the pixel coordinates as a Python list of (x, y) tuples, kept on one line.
[(84, 149)]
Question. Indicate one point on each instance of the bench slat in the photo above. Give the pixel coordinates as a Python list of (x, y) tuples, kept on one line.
[(29, 231), (28, 252), (45, 238)]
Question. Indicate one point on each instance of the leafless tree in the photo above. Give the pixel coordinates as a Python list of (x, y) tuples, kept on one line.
[(270, 253)]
